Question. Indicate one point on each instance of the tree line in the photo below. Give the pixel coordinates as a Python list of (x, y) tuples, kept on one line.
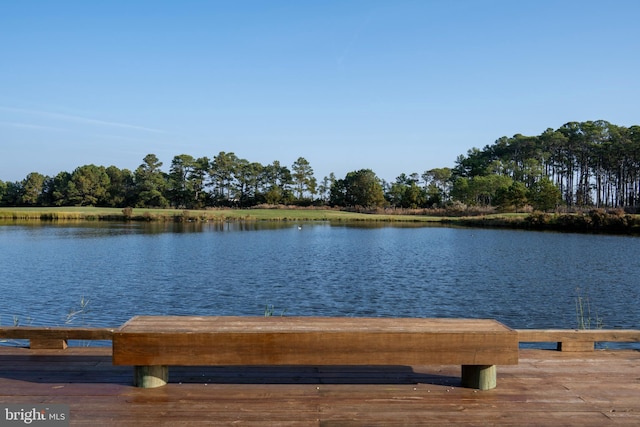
[(582, 164), (190, 183), (590, 164)]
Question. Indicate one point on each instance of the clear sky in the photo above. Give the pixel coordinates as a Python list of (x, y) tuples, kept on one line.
[(396, 86)]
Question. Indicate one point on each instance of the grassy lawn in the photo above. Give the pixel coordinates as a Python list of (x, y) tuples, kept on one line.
[(92, 213)]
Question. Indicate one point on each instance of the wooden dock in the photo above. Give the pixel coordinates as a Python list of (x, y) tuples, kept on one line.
[(547, 388)]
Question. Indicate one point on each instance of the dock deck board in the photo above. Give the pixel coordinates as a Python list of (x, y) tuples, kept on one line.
[(546, 388)]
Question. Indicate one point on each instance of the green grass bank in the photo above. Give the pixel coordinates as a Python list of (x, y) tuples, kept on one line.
[(179, 215), (594, 221)]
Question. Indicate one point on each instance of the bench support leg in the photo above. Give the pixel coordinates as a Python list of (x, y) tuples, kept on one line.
[(150, 376), (482, 377)]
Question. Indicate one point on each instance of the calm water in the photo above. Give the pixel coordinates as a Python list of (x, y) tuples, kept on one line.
[(524, 279)]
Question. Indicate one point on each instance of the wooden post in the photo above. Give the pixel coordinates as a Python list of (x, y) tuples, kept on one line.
[(576, 346), (482, 377), (150, 376), (47, 343)]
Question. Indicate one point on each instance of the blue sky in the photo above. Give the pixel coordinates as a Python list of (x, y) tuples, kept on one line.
[(396, 86)]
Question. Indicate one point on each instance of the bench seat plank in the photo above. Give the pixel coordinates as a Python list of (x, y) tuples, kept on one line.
[(194, 341)]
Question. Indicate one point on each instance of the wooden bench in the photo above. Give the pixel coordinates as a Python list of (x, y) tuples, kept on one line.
[(152, 343)]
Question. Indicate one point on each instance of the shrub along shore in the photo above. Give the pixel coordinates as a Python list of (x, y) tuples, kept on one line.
[(594, 221)]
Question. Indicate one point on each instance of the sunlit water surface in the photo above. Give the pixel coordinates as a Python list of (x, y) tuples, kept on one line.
[(524, 279)]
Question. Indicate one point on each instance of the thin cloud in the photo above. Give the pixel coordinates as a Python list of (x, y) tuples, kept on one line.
[(80, 119), (31, 126), (121, 138)]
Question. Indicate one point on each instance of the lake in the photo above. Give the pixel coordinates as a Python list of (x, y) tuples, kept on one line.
[(524, 279)]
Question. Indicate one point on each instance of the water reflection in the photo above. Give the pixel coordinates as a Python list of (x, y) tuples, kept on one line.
[(525, 279)]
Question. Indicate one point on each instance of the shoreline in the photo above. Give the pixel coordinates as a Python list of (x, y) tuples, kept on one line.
[(595, 221)]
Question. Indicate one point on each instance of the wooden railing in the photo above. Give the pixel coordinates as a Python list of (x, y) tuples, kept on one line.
[(566, 339), (577, 339), (53, 337)]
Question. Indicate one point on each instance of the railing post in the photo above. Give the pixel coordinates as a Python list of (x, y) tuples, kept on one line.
[(576, 346), (47, 343)]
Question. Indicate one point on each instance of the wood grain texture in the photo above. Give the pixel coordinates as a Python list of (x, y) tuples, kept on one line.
[(577, 340), (41, 337), (592, 335), (40, 343), (54, 332), (177, 340), (546, 388)]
